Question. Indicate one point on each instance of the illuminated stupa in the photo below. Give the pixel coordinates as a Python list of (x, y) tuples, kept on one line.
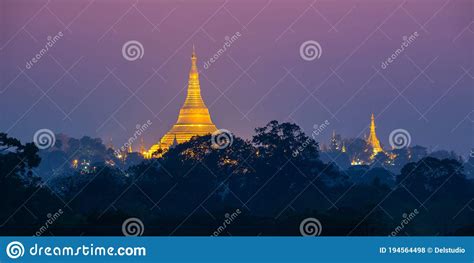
[(193, 120), (373, 140)]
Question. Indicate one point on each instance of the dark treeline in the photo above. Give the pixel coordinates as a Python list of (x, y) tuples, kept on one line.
[(275, 181)]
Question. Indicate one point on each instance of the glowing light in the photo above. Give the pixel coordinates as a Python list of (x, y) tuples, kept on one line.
[(74, 163), (110, 162), (373, 140), (193, 119), (230, 161), (357, 162)]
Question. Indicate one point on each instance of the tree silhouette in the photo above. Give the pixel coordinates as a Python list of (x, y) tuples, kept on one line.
[(22, 199), (276, 180)]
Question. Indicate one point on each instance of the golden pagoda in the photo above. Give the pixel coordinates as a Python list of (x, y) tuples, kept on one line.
[(193, 120), (373, 140)]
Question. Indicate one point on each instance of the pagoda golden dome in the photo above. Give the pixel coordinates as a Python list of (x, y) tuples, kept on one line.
[(193, 119)]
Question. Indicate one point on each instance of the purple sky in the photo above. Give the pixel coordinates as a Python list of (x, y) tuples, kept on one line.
[(262, 73)]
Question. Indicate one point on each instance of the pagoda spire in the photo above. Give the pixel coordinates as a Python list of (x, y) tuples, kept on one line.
[(372, 124), (373, 140), (334, 142), (193, 119), (193, 98)]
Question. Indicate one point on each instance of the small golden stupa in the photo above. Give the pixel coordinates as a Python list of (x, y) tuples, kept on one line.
[(373, 140)]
